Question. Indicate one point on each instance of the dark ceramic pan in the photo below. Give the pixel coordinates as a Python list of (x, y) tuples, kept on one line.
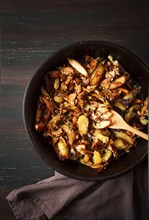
[(140, 73)]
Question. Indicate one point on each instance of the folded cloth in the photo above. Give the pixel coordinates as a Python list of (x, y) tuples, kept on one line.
[(63, 198)]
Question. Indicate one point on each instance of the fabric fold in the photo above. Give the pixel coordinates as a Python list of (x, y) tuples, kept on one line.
[(60, 197)]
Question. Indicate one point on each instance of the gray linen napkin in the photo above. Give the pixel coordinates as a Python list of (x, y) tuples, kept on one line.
[(62, 198)]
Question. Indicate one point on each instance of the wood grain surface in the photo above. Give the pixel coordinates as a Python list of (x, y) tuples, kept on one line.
[(30, 32)]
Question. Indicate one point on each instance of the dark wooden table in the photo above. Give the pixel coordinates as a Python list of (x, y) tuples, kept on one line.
[(30, 32)]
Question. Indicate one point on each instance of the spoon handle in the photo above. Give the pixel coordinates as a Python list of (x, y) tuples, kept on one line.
[(137, 132)]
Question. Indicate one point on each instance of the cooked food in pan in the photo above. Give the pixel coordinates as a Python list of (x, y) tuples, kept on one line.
[(74, 110)]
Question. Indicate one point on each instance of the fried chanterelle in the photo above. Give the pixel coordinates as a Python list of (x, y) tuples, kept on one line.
[(74, 110)]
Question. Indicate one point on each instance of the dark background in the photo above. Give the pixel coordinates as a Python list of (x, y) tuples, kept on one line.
[(30, 32)]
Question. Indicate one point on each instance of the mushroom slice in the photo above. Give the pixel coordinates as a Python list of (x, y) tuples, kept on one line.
[(97, 75), (81, 149), (54, 140), (70, 98), (44, 92), (107, 155), (143, 113), (105, 84), (92, 65), (83, 123), (75, 64), (124, 136), (143, 120), (103, 112), (128, 98), (52, 126), (120, 105), (49, 103), (131, 112), (39, 110), (56, 133), (120, 144), (114, 62), (68, 79), (70, 133), (144, 109), (97, 166), (118, 82), (106, 115), (74, 154), (63, 87), (89, 163), (81, 99), (89, 88), (63, 149), (122, 90), (87, 158), (78, 88), (67, 70), (103, 124), (98, 135), (56, 83), (96, 157), (58, 98)]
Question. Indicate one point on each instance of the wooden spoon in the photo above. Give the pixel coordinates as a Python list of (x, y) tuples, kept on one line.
[(119, 123)]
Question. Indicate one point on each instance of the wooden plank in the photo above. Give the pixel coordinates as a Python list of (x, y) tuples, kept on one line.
[(30, 32)]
